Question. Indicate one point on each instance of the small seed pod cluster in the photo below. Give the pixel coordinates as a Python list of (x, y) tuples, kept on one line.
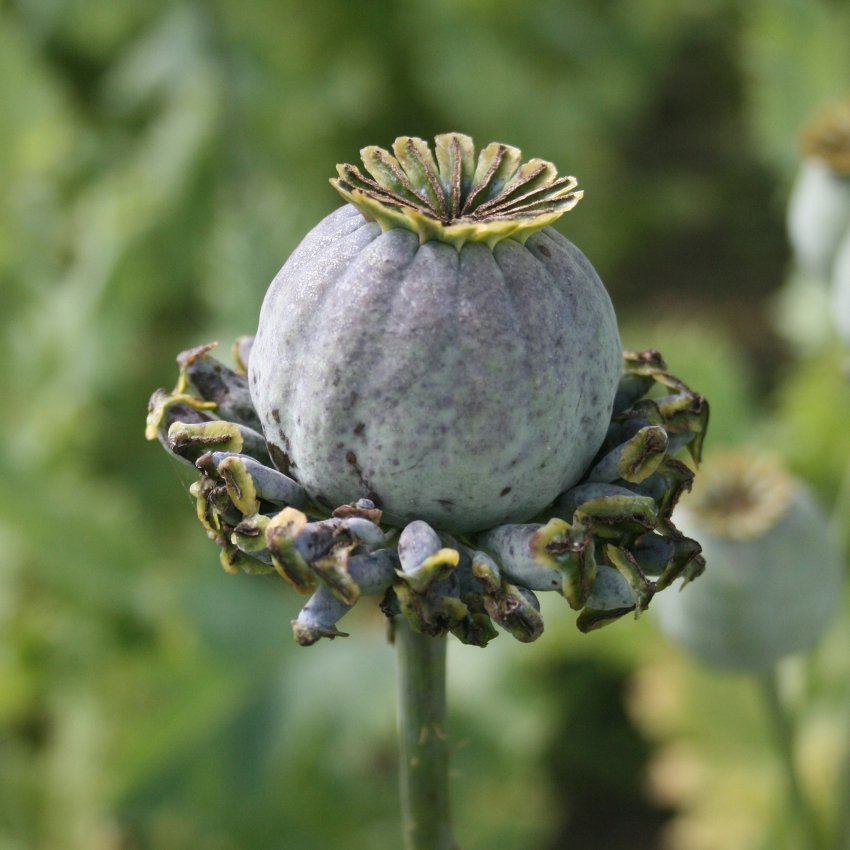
[(607, 544)]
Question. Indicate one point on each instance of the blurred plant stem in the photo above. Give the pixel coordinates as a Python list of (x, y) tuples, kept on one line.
[(423, 744), (784, 733), (842, 827), (840, 526)]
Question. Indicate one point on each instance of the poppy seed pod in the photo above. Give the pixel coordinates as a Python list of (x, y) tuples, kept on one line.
[(818, 216), (819, 207), (436, 409), (773, 574), (434, 345)]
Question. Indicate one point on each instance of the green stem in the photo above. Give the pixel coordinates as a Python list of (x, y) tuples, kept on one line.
[(842, 829), (785, 738), (423, 746), (841, 529), (839, 525)]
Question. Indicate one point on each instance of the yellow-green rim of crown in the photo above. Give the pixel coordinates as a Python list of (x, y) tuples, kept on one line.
[(452, 195)]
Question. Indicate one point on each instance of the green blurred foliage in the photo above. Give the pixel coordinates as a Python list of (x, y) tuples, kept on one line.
[(159, 160)]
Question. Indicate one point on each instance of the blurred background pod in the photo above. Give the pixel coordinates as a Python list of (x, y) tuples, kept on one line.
[(773, 574), (819, 207), (818, 216)]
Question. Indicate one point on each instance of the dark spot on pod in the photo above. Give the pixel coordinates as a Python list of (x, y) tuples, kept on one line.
[(369, 491), (281, 459), (360, 427), (545, 251), (446, 503), (276, 415), (505, 491)]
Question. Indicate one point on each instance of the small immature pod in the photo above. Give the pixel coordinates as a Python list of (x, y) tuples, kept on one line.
[(249, 536), (213, 507), (373, 573), (263, 482), (300, 549), (332, 565), (515, 609), (666, 486), (281, 534), (423, 558), (428, 591), (318, 618), (164, 409), (572, 550), (568, 502), (686, 421), (511, 548), (611, 598), (613, 511), (214, 382), (626, 564), (233, 560), (634, 460), (486, 571), (192, 440), (668, 558), (639, 370), (241, 351)]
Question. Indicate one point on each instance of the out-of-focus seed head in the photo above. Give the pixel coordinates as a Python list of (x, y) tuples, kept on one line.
[(774, 572)]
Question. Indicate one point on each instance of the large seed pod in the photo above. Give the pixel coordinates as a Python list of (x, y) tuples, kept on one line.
[(773, 574), (453, 358)]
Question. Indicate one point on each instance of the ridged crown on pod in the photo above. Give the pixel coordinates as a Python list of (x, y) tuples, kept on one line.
[(740, 497), (454, 195)]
